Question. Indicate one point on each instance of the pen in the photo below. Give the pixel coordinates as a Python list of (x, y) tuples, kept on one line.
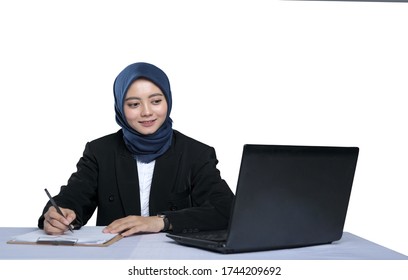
[(70, 227)]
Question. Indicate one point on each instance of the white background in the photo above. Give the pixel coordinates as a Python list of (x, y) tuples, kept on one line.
[(269, 72)]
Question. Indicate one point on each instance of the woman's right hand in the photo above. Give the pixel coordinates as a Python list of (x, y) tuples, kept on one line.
[(54, 223)]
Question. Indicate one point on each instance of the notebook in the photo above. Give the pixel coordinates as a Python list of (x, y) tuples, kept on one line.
[(286, 197)]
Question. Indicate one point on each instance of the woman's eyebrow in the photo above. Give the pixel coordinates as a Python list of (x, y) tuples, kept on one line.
[(132, 97), (155, 94), (150, 96)]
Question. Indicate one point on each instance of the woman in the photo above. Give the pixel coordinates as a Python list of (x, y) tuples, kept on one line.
[(146, 177)]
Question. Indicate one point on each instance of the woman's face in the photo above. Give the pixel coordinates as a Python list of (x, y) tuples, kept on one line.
[(145, 107)]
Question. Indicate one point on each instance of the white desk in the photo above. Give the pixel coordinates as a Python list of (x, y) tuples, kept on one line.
[(160, 247)]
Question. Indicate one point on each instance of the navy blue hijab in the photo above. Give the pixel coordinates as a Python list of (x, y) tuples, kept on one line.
[(145, 148)]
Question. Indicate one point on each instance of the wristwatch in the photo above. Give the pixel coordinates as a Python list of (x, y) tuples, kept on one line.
[(166, 222)]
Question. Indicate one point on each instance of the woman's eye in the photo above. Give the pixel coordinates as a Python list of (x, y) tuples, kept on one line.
[(133, 105), (156, 101)]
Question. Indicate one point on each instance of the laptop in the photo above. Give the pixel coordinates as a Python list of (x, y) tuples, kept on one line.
[(286, 197)]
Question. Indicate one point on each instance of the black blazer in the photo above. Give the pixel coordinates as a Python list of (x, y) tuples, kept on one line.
[(186, 185)]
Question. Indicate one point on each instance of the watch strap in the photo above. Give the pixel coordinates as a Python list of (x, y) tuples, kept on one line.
[(166, 222)]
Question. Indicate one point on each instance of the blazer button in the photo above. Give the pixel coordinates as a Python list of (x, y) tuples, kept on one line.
[(111, 198), (173, 208)]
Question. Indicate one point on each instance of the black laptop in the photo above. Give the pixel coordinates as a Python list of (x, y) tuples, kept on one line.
[(286, 197)]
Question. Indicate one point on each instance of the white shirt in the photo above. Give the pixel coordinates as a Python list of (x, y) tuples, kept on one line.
[(145, 173)]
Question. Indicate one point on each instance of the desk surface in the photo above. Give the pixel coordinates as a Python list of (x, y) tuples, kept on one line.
[(159, 247)]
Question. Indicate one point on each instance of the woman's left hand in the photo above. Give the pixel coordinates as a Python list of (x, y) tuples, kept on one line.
[(135, 224)]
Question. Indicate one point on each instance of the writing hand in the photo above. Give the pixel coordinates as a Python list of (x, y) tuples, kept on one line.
[(56, 224)]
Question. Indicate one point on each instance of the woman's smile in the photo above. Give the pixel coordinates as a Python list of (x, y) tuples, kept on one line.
[(147, 123)]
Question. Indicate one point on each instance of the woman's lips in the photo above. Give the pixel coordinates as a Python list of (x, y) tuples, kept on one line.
[(147, 123)]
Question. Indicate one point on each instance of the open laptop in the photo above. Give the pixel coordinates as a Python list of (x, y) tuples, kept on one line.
[(286, 197)]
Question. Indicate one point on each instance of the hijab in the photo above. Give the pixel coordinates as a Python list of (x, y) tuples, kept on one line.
[(144, 148)]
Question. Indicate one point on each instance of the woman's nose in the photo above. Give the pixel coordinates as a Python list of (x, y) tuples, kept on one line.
[(146, 111)]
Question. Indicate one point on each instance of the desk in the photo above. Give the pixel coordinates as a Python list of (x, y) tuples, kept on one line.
[(159, 247)]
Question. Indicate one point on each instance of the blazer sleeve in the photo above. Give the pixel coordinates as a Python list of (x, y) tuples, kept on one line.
[(211, 198), (81, 190)]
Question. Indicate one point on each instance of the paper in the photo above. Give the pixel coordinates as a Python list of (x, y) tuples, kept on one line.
[(86, 236)]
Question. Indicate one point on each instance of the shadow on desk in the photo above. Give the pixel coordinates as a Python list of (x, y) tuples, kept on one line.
[(159, 247)]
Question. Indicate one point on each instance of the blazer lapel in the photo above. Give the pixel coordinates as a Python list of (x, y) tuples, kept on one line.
[(128, 182), (164, 177)]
